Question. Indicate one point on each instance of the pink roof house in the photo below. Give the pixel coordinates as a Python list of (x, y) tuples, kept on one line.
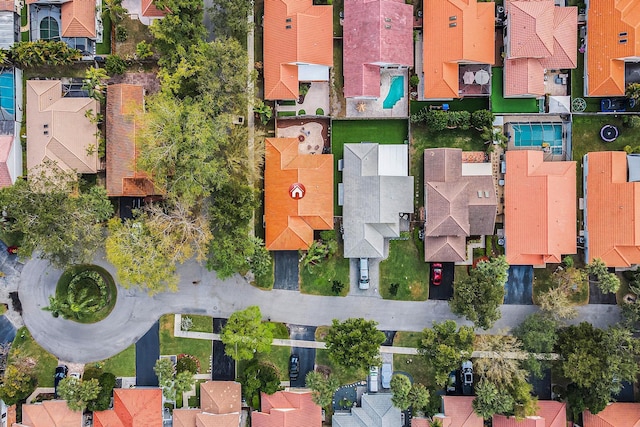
[(540, 36), (377, 34)]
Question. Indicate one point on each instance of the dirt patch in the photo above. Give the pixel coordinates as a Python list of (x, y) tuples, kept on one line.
[(136, 32)]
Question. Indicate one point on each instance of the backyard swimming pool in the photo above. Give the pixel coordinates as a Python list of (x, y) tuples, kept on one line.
[(396, 92), (6, 92), (535, 134)]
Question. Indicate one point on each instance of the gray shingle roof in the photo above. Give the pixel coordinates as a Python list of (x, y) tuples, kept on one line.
[(376, 411)]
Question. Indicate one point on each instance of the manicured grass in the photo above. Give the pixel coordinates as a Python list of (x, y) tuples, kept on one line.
[(100, 293), (499, 104), (356, 131), (286, 113), (406, 268), (200, 323), (422, 138), (169, 344), (279, 355), (318, 280), (25, 346), (266, 281), (460, 272), (104, 48), (463, 104), (345, 376), (542, 282), (415, 365), (122, 364)]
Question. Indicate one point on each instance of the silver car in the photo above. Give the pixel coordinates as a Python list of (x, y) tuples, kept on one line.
[(385, 375)]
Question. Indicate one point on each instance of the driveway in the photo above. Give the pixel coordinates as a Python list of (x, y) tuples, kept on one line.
[(147, 352), (519, 286), (7, 330), (374, 278), (223, 368), (596, 296), (307, 355), (286, 270), (444, 291)]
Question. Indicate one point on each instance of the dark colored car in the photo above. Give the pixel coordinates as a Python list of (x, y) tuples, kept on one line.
[(611, 105), (452, 383), (436, 274), (61, 373), (294, 367)]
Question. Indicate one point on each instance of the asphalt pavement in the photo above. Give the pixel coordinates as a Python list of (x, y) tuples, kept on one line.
[(223, 367), (7, 330), (519, 286), (596, 296), (286, 270), (147, 352), (444, 291), (307, 355)]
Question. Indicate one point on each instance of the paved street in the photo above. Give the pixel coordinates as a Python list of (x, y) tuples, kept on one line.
[(135, 312)]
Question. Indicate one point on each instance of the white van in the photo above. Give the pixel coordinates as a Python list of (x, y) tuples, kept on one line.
[(373, 379), (363, 282)]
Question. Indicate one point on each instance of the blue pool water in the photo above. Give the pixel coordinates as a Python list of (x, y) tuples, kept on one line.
[(396, 92), (534, 134), (7, 92)]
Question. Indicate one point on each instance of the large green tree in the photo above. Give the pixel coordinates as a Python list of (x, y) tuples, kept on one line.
[(259, 377), (245, 334), (491, 400), (354, 343), (107, 383), (55, 216), (606, 282), (229, 18), (172, 383), (478, 296), (538, 334), (323, 387), (400, 388), (444, 347), (18, 382), (78, 393)]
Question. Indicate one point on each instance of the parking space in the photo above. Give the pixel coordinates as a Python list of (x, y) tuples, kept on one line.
[(443, 291), (147, 352), (286, 270), (519, 286), (223, 366), (307, 355), (374, 277)]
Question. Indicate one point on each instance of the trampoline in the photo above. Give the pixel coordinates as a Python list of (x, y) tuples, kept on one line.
[(609, 133)]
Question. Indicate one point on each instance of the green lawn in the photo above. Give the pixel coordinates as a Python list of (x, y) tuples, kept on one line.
[(462, 104), (406, 268), (104, 48), (319, 279), (279, 355), (499, 104), (122, 364), (356, 131), (265, 281), (415, 365), (200, 323), (25, 346), (169, 344), (345, 376)]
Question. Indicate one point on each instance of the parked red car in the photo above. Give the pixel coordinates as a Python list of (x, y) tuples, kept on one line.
[(436, 273)]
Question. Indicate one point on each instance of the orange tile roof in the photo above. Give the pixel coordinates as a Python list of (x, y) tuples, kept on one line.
[(50, 413), (614, 415), (6, 144), (287, 409), (198, 418), (79, 18), (220, 397), (133, 407), (420, 422), (149, 9), (8, 5), (609, 195), (539, 36), (308, 40), (550, 414), (458, 411), (540, 208), (604, 71), (290, 222), (471, 40), (123, 178)]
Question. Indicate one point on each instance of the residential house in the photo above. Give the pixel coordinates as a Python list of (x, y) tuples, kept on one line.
[(613, 44), (132, 407), (75, 22), (377, 190), (540, 208), (615, 414), (298, 194), (377, 35), (456, 33), (460, 201), (220, 406), (550, 414), (287, 409), (59, 129), (10, 125), (457, 411), (611, 189), (539, 36), (298, 46), (9, 23), (376, 410), (124, 179), (149, 9), (50, 413)]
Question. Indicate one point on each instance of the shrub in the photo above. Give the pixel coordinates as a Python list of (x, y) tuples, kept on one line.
[(121, 34), (459, 119), (414, 80), (337, 287), (482, 119), (319, 112), (302, 113), (115, 65), (187, 363), (436, 120), (393, 289), (631, 121), (143, 50)]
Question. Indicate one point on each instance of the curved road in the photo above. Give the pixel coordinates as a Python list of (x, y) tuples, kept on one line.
[(135, 311)]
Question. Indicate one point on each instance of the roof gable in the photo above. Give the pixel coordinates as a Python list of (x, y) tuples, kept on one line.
[(287, 409), (134, 407), (79, 18), (459, 411), (50, 413), (616, 414)]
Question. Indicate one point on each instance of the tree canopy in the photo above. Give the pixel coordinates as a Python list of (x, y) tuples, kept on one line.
[(322, 387), (444, 347), (259, 377), (245, 334), (354, 343), (538, 334), (78, 393)]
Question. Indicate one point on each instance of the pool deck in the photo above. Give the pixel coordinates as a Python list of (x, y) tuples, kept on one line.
[(542, 119), (372, 108)]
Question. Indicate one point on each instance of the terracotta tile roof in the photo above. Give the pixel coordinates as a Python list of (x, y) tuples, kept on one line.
[(198, 418), (185, 417), (614, 415), (123, 178), (307, 40), (57, 128), (471, 40), (149, 9), (539, 35), (287, 409), (79, 19), (133, 407), (457, 206), (50, 413), (458, 412), (420, 422), (6, 143), (540, 208), (550, 414), (609, 195), (220, 397), (610, 21), (8, 5), (376, 33), (290, 222)]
